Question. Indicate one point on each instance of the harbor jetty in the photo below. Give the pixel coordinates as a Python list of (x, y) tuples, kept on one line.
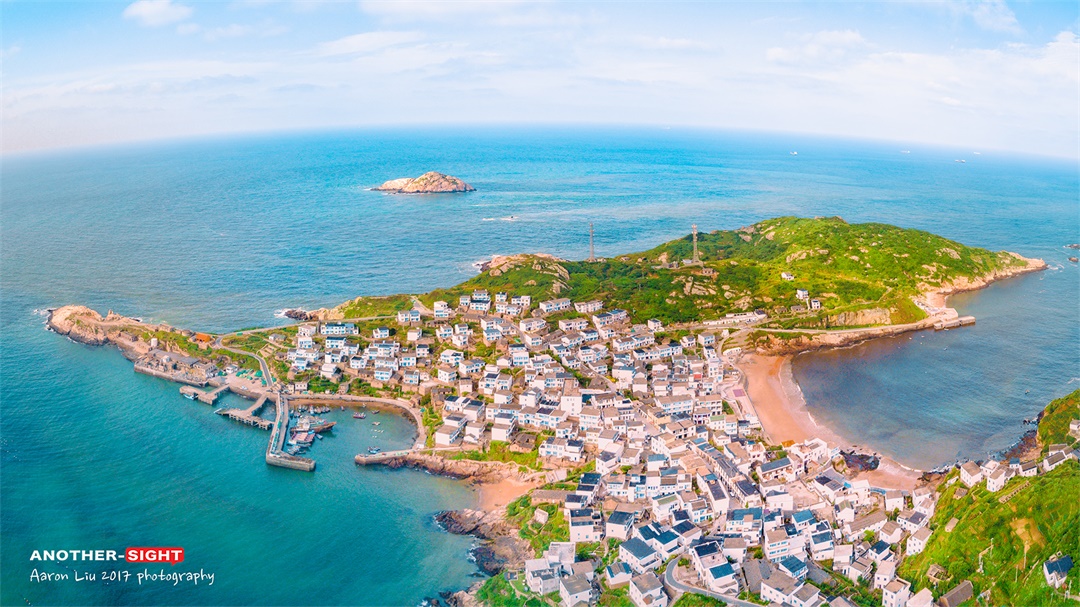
[(203, 396), (961, 321), (275, 454), (249, 416)]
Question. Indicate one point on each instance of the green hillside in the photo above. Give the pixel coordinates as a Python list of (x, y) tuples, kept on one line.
[(1041, 519), (848, 267), (1054, 425)]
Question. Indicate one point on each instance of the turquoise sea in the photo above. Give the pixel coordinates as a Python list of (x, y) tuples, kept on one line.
[(218, 234)]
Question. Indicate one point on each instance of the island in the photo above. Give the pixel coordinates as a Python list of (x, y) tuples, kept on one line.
[(631, 429), (428, 183)]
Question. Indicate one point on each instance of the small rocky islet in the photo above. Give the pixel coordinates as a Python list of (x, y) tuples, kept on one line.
[(431, 182)]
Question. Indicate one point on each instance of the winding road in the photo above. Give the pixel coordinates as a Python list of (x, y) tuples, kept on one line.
[(669, 580)]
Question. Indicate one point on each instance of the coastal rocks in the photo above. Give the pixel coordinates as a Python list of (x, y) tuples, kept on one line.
[(322, 314), (501, 547), (79, 323), (428, 183), (860, 462), (936, 295), (86, 326), (298, 314), (473, 471)]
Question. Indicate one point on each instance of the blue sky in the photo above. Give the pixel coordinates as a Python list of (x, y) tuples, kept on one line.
[(988, 75)]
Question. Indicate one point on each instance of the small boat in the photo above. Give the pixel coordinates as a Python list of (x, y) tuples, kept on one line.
[(359, 415), (319, 436), (374, 423), (189, 395), (794, 153), (373, 450)]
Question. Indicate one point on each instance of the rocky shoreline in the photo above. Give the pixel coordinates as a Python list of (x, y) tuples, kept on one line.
[(499, 547), (936, 296)]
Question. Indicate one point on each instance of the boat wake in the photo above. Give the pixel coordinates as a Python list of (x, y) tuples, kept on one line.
[(507, 218)]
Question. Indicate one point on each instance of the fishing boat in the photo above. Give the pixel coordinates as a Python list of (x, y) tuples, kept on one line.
[(322, 427), (359, 415)]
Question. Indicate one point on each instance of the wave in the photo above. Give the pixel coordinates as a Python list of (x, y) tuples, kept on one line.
[(507, 218)]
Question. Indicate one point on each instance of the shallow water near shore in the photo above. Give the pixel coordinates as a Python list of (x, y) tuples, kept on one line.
[(218, 234)]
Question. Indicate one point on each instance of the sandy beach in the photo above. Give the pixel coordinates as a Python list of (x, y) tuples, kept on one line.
[(784, 417), (492, 496)]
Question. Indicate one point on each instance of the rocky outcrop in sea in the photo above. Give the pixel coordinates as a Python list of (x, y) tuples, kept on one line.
[(428, 183), (500, 546)]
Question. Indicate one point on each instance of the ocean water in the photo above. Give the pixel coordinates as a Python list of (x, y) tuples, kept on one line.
[(219, 233)]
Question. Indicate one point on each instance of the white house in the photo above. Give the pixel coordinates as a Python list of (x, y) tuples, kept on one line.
[(647, 591), (970, 474)]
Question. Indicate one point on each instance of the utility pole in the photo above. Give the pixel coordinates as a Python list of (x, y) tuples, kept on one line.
[(592, 251)]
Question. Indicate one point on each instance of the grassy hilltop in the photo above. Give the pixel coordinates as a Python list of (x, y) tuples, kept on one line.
[(863, 274), (1037, 522)]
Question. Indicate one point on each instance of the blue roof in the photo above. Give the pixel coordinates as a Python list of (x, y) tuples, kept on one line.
[(706, 549), (620, 517), (637, 548), (722, 570), (741, 513), (684, 527), (881, 546), (793, 565), (773, 465), (802, 516), (1061, 565), (617, 568), (667, 537), (649, 531)]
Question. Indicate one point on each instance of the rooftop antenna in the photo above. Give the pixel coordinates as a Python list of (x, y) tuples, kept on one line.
[(592, 252), (694, 228)]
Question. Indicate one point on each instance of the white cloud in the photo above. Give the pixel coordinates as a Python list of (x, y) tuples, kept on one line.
[(229, 31), (154, 13), (368, 42), (993, 15), (824, 46), (663, 43), (427, 9)]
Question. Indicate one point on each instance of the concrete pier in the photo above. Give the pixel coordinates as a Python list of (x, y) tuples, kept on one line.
[(379, 458), (203, 396), (275, 456), (961, 321), (248, 416)]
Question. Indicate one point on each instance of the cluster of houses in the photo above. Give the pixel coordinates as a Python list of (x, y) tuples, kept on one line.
[(997, 473), (674, 438)]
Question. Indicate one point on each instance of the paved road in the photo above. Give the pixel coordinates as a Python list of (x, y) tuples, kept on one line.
[(669, 579)]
